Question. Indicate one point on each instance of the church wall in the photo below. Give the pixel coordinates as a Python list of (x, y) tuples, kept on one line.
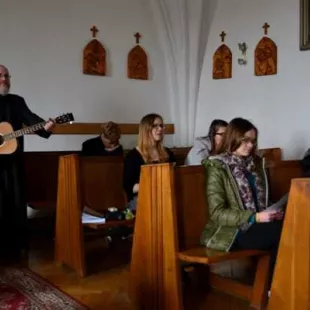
[(279, 105), (42, 43)]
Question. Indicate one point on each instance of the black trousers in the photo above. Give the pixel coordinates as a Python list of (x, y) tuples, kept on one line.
[(261, 236), (13, 207)]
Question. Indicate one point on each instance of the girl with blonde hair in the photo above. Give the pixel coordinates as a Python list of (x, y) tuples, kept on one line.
[(150, 150)]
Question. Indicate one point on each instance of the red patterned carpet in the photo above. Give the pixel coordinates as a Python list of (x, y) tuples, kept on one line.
[(22, 289)]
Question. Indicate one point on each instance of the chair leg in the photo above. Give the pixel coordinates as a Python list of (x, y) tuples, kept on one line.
[(260, 286)]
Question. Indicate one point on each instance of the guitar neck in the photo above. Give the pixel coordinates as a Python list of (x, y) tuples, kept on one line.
[(21, 132)]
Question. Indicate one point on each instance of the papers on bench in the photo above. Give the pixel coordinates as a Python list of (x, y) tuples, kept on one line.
[(280, 204), (91, 219)]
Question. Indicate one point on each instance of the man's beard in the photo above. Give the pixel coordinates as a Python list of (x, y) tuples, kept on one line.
[(4, 89)]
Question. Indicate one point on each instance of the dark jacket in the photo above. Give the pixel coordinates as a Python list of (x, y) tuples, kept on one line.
[(13, 109), (95, 147), (132, 168)]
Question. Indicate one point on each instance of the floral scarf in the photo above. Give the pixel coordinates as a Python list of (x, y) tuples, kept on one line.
[(239, 167)]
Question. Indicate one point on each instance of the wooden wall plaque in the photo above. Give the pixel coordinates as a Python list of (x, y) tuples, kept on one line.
[(266, 55), (94, 56), (137, 63), (222, 61)]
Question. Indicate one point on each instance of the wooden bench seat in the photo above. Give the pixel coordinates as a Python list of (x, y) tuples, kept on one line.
[(109, 224), (207, 256)]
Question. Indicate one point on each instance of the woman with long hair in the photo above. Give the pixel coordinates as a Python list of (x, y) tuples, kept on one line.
[(207, 145), (236, 193), (150, 150)]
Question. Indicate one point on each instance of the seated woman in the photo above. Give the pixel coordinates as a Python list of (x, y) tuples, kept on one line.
[(107, 144), (236, 193), (207, 145), (150, 150)]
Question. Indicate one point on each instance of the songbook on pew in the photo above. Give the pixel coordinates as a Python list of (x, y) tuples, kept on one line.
[(90, 216), (280, 204)]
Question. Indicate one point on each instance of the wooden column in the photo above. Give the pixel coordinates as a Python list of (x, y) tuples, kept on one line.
[(155, 271), (291, 282)]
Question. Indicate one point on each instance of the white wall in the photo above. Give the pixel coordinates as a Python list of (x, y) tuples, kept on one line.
[(42, 43), (279, 105)]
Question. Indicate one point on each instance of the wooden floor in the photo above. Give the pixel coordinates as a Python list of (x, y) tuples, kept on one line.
[(106, 286)]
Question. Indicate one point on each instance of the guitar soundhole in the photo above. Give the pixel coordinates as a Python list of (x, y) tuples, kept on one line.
[(1, 140)]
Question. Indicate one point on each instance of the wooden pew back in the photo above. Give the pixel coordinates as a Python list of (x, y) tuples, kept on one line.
[(271, 154), (102, 182), (191, 204), (42, 191), (280, 175)]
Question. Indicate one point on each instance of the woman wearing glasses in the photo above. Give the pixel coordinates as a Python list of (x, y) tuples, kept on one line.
[(207, 145), (150, 150), (236, 193)]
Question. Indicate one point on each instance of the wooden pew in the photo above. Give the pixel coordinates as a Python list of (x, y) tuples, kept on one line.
[(42, 191), (171, 215), (271, 154), (172, 203), (95, 182), (280, 175), (291, 280)]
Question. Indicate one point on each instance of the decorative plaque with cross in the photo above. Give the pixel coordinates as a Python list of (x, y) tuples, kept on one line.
[(94, 56), (137, 62), (265, 55), (222, 61)]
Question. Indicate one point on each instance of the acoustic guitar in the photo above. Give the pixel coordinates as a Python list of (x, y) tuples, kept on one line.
[(8, 141)]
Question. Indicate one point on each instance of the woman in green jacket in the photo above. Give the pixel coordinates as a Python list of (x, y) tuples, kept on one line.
[(236, 193)]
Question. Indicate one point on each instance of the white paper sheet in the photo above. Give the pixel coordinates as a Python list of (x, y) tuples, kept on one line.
[(90, 219), (280, 204)]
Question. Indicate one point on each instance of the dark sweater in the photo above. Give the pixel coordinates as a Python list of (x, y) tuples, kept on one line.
[(132, 167), (95, 147), (13, 109)]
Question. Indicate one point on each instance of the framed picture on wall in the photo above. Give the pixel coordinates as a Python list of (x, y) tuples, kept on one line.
[(304, 25)]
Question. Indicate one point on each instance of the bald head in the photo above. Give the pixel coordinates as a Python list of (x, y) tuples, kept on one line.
[(5, 82)]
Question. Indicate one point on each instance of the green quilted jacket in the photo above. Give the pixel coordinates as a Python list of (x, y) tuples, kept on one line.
[(226, 211)]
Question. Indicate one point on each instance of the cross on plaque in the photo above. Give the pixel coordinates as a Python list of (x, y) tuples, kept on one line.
[(266, 26), (137, 36), (223, 35), (94, 30)]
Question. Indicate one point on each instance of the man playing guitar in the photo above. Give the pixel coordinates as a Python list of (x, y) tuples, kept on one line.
[(13, 204)]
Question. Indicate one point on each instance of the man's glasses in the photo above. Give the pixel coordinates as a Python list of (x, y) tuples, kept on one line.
[(5, 76)]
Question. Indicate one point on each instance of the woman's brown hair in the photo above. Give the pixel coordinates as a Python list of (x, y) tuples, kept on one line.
[(213, 129), (146, 140), (234, 135)]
